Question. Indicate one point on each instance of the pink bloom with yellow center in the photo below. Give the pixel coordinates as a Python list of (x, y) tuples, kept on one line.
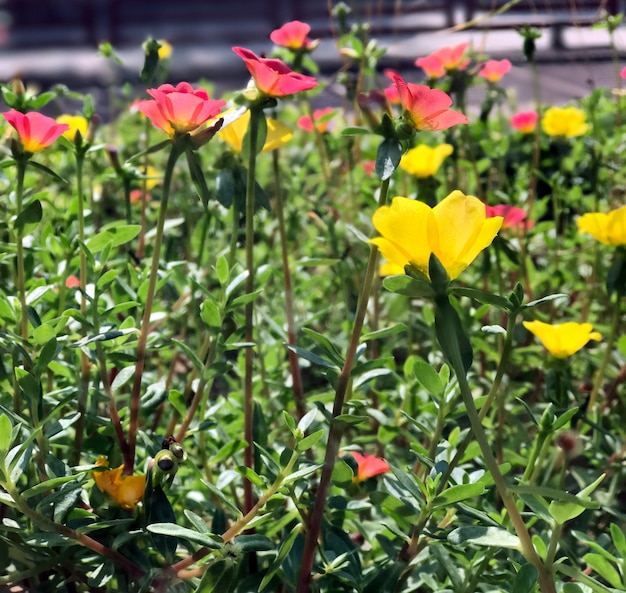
[(431, 66), (513, 217), (321, 118), (425, 108), (273, 77), (180, 109), (368, 466), (35, 130), (525, 121), (494, 70), (293, 35)]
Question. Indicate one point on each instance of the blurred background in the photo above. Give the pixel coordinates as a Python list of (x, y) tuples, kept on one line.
[(46, 42)]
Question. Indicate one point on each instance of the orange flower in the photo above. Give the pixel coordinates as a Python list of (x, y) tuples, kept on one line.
[(273, 77), (72, 282), (179, 110), (125, 491), (35, 130), (494, 70), (294, 35), (525, 121), (368, 466), (425, 108)]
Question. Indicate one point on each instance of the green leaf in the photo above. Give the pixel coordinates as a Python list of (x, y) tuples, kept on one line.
[(123, 377), (484, 536), (525, 579), (428, 377), (254, 543), (355, 131), (31, 214), (451, 335), (388, 158), (406, 285), (306, 420), (159, 511), (210, 313), (311, 357), (222, 270), (197, 176), (115, 235), (47, 171), (605, 569), (396, 328), (457, 493), (6, 431), (482, 297), (220, 577), (283, 552), (310, 440), (173, 530), (546, 299)]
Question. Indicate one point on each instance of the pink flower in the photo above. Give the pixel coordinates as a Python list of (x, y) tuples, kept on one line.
[(72, 282), (513, 217), (431, 66), (321, 117), (368, 466), (494, 70), (391, 92), (525, 121), (623, 72), (369, 167), (35, 130), (293, 35), (425, 108), (179, 110), (437, 63), (273, 77)]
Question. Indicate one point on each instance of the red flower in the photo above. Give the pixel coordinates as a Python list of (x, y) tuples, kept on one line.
[(425, 108), (294, 36), (273, 77), (494, 70), (306, 123), (436, 64), (36, 131), (72, 282), (513, 216), (180, 109), (368, 466), (525, 121), (431, 66)]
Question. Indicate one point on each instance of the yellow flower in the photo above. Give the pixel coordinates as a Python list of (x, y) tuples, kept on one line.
[(562, 339), (609, 229), (456, 230), (165, 51), (424, 161), (126, 491), (564, 121), (76, 123), (278, 134)]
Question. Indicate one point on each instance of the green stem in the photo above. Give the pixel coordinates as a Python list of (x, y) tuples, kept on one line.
[(336, 428), (296, 375), (546, 580), (248, 406), (84, 360), (608, 351), (21, 282), (129, 459)]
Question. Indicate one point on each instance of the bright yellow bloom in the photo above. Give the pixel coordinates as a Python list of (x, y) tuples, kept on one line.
[(76, 123), (165, 51), (609, 229), (424, 161), (456, 230), (126, 491), (278, 134), (562, 339), (564, 121)]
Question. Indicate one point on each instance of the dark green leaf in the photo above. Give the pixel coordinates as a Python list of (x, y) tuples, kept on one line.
[(388, 158), (310, 356), (526, 579), (482, 297), (174, 531), (484, 536), (197, 176), (31, 214)]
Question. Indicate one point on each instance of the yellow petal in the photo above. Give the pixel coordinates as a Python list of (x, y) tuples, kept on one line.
[(424, 161), (130, 491), (278, 134), (596, 224), (404, 226), (464, 231), (562, 340), (616, 227)]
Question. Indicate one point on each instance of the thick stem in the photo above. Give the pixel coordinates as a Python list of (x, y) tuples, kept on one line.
[(336, 429), (248, 405), (129, 459), (546, 580), (296, 375)]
